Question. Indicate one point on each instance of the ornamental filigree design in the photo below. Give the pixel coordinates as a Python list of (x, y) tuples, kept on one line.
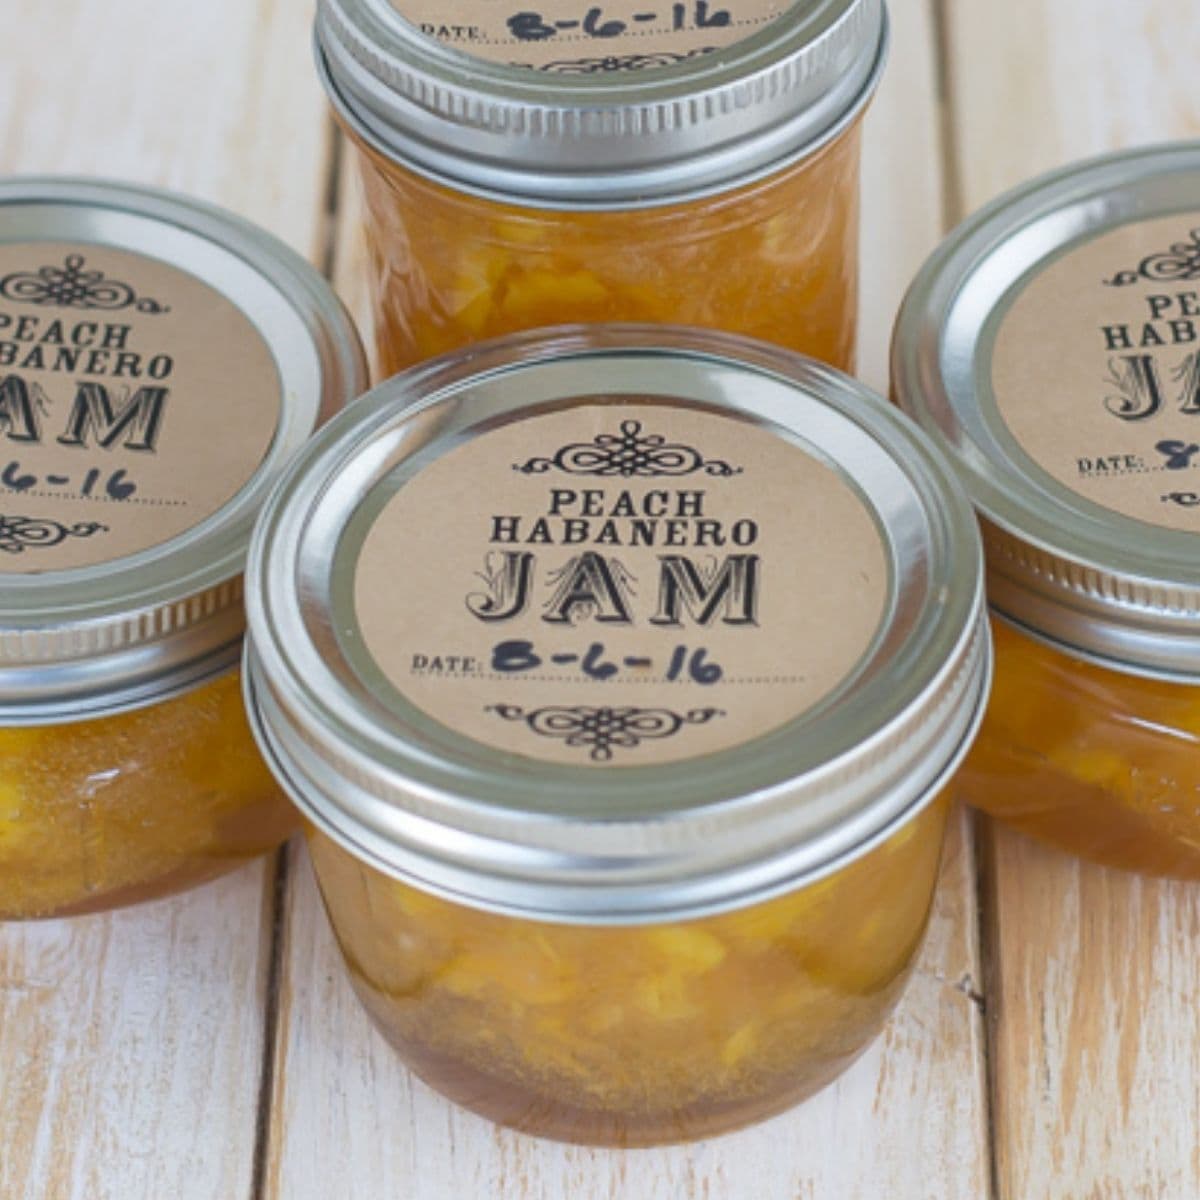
[(619, 62), (1183, 499), (18, 534), (70, 286), (601, 729), (1178, 264), (629, 454)]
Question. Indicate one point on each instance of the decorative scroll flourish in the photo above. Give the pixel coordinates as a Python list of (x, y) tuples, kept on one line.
[(70, 286), (18, 534), (1183, 499), (1178, 264), (600, 729), (629, 454), (619, 62)]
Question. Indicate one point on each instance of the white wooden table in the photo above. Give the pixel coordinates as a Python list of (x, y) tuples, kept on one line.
[(208, 1047)]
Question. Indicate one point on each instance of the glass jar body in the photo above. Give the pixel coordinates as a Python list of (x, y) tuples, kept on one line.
[(637, 1034), (776, 259), (1103, 764), (110, 811)]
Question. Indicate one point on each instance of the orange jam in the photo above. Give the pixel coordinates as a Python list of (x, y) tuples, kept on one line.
[(629, 838), (694, 165), (777, 260), (110, 811), (1047, 346), (162, 361), (1095, 761), (645, 1033)]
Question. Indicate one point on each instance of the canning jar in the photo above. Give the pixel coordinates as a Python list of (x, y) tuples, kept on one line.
[(696, 163), (1051, 346), (159, 362), (621, 712)]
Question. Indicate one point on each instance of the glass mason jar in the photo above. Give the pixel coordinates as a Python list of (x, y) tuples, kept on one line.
[(1050, 345), (160, 361), (697, 165), (628, 817)]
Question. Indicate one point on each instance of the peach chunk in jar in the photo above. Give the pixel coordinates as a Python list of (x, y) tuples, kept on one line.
[(1095, 761), (625, 1035), (122, 808), (776, 259)]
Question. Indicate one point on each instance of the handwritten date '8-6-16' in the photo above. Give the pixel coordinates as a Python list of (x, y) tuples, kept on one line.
[(518, 654), (534, 27)]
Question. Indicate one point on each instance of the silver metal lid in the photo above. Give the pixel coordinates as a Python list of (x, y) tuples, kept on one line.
[(499, 828), (606, 138), (1063, 562), (100, 638)]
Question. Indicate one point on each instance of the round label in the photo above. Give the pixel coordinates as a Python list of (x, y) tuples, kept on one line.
[(1096, 370), (619, 584), (135, 401), (587, 39)]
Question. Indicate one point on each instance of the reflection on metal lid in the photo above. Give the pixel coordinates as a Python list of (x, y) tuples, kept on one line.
[(619, 129), (160, 361), (1050, 346), (615, 623)]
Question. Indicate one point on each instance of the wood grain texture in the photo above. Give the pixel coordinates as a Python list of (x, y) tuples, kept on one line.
[(902, 184), (131, 1044), (1036, 83), (908, 1122), (1093, 974), (1096, 1052), (218, 100), (130, 1047)]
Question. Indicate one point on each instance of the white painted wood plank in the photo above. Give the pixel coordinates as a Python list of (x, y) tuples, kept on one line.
[(907, 1122), (1096, 1049), (1036, 83), (130, 1048), (131, 1044), (218, 100), (1097, 1044), (902, 185)]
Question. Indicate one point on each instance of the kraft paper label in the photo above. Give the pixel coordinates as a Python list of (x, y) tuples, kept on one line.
[(619, 584), (565, 37), (135, 401), (1096, 370)]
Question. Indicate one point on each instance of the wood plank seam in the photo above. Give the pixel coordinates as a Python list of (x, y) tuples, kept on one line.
[(1093, 1035), (989, 957), (325, 258), (952, 180), (334, 193), (986, 994), (281, 877), (953, 211)]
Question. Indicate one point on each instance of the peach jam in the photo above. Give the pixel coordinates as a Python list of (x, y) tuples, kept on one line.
[(619, 673), (1051, 346), (693, 162), (159, 363)]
